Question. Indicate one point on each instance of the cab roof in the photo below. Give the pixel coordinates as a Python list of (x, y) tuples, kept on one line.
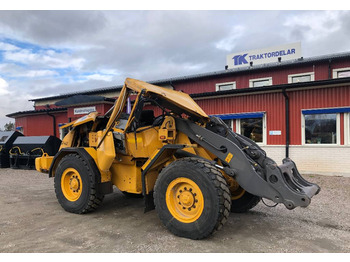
[(180, 99)]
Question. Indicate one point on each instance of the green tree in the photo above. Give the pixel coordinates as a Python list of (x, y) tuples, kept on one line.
[(9, 126)]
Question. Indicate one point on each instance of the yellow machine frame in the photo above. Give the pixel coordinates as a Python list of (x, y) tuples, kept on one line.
[(124, 171)]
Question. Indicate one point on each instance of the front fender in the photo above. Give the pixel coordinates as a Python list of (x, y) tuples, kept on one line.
[(72, 150), (104, 182)]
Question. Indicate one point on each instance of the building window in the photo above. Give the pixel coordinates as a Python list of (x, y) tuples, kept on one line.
[(225, 86), (229, 122), (251, 125), (341, 72), (347, 128), (253, 128), (321, 129), (345, 73), (260, 82), (303, 77)]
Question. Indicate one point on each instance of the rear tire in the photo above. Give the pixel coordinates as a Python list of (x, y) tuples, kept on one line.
[(192, 198), (245, 202), (76, 185)]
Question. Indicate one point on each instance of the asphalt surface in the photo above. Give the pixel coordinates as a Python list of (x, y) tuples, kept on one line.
[(31, 220)]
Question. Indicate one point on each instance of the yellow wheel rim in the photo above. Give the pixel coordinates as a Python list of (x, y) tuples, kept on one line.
[(71, 184), (184, 200), (237, 193), (236, 190)]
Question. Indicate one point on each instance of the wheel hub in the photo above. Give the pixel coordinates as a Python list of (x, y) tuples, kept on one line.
[(74, 183), (71, 184), (185, 200)]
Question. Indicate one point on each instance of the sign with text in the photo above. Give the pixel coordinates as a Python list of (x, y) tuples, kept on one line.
[(275, 133), (84, 110), (264, 56)]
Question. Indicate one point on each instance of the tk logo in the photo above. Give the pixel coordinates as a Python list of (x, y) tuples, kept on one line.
[(240, 59)]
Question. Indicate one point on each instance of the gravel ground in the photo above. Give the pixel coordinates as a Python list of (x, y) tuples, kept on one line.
[(31, 220)]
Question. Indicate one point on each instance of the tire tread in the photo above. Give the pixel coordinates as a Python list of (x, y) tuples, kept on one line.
[(222, 191), (95, 199)]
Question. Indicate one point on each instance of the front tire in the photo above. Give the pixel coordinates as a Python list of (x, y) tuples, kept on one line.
[(242, 201), (192, 198), (76, 185)]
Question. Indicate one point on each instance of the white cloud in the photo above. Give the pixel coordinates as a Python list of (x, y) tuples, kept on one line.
[(315, 25), (194, 67), (109, 72), (102, 77), (13, 70), (4, 87), (11, 102), (7, 47), (230, 42), (37, 73), (47, 58)]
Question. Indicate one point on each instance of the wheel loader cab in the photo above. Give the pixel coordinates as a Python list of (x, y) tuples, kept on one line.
[(140, 133)]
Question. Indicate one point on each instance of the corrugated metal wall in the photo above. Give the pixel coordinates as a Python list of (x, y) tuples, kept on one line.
[(274, 106), (40, 125), (279, 76), (316, 98)]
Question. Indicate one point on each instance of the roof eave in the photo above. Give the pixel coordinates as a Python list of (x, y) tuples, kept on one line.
[(38, 112)]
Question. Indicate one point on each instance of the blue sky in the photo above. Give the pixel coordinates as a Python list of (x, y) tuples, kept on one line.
[(32, 60), (46, 53)]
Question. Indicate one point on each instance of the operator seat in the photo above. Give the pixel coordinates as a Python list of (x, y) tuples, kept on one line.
[(147, 118)]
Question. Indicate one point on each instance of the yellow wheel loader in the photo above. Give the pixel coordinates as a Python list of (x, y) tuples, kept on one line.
[(190, 167)]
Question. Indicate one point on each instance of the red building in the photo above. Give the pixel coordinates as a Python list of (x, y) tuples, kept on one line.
[(299, 108)]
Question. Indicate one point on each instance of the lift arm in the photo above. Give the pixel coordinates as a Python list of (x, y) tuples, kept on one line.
[(264, 178)]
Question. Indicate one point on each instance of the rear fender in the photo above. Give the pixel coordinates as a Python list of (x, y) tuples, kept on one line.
[(71, 150), (105, 185)]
